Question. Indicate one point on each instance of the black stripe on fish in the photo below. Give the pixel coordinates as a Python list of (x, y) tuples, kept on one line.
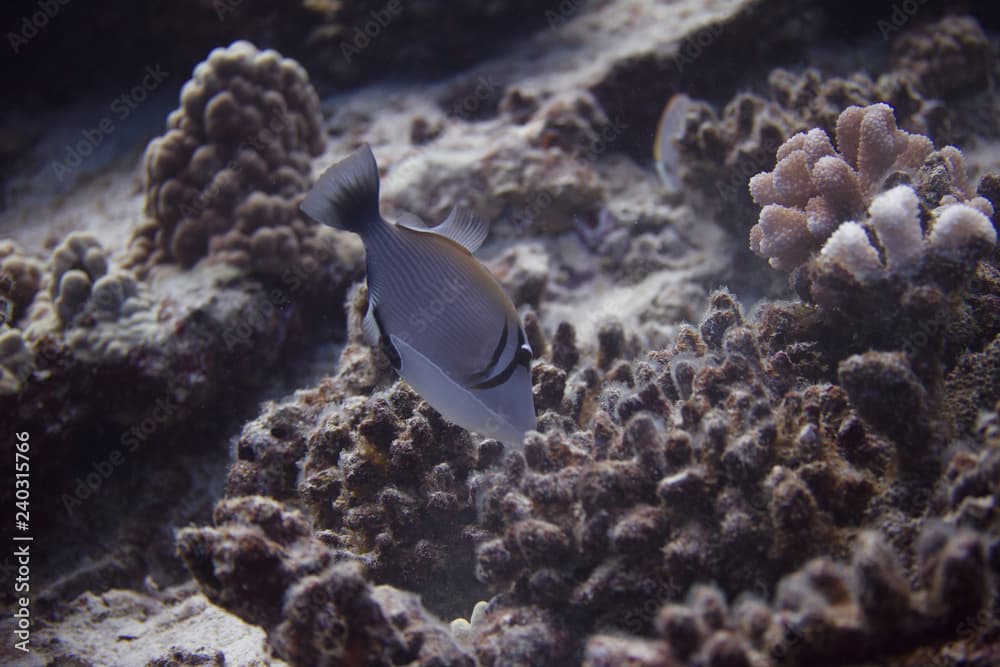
[(521, 358), (388, 349), (494, 360)]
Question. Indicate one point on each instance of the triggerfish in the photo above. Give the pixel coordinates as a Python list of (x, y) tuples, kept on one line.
[(441, 318)]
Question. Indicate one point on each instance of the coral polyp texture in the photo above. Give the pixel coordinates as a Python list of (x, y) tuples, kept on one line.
[(228, 175)]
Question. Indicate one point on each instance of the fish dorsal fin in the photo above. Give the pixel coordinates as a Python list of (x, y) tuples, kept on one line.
[(461, 226)]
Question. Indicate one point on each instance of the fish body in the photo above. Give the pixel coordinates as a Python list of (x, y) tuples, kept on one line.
[(439, 315)]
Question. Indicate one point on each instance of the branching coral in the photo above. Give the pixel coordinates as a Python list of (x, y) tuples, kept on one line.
[(814, 188), (929, 67), (228, 174), (726, 457), (855, 248)]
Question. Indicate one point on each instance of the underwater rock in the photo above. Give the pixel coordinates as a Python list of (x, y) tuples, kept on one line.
[(161, 626), (227, 177)]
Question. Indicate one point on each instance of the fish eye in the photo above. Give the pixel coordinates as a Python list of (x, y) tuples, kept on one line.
[(523, 356)]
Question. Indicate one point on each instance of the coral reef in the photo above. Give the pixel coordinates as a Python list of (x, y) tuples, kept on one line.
[(801, 482), (903, 268), (825, 613), (229, 173)]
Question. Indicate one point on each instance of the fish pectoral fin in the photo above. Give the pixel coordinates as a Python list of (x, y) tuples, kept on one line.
[(375, 336), (461, 226), (370, 327)]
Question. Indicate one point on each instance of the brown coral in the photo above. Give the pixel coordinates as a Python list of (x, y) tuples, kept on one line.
[(317, 611), (949, 56), (228, 174)]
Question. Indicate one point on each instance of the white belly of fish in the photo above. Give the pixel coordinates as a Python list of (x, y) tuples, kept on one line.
[(504, 412)]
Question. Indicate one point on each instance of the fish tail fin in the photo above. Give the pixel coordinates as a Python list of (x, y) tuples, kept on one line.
[(346, 195)]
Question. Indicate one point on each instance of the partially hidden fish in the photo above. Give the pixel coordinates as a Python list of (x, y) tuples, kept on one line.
[(669, 132), (439, 315)]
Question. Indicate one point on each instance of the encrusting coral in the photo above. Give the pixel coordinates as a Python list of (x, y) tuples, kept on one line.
[(20, 280), (69, 298), (227, 177), (825, 613), (94, 308)]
